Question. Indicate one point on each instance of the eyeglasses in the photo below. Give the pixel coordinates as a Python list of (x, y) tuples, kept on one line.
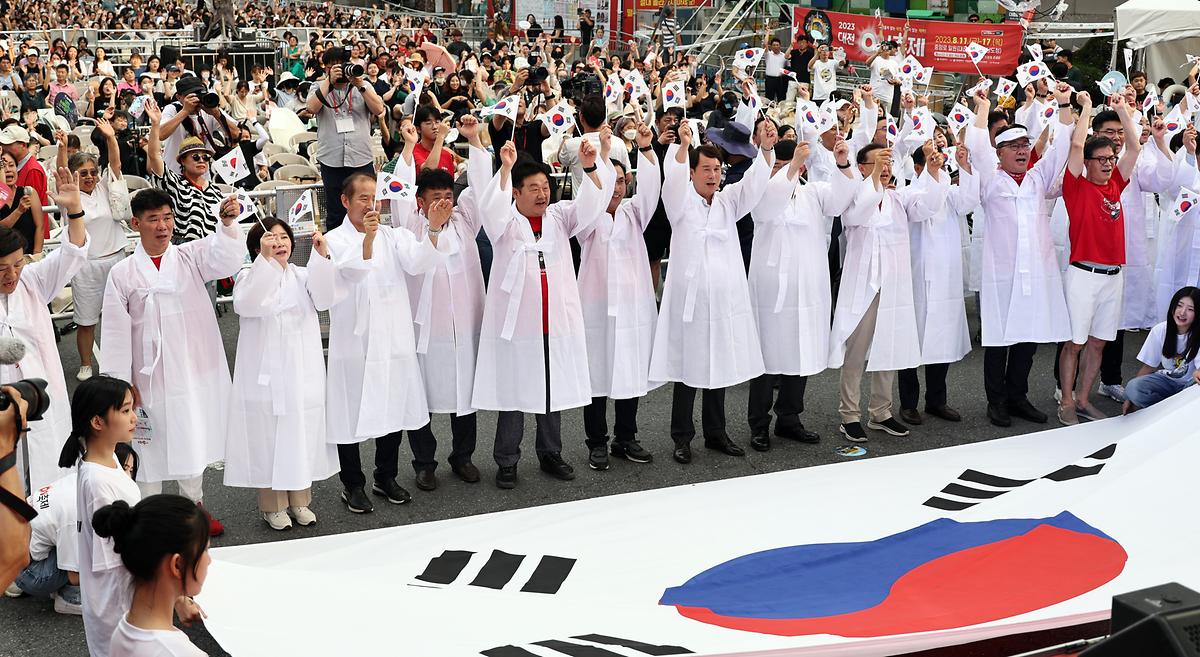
[(1018, 145), (200, 157), (1105, 159), (88, 173), (1110, 132)]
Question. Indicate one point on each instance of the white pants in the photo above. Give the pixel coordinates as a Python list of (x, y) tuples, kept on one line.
[(192, 488), (1094, 302)]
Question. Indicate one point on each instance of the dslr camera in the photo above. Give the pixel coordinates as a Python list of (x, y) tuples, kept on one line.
[(581, 86), (354, 71), (210, 100)]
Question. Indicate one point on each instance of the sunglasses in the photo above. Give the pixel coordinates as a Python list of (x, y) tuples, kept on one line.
[(200, 157), (88, 173)]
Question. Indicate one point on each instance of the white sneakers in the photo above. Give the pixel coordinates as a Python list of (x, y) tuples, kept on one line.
[(303, 515), (63, 607), (84, 373), (278, 520), (13, 591), (1115, 392)]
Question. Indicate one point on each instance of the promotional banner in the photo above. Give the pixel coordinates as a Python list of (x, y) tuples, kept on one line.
[(940, 44), (873, 557)]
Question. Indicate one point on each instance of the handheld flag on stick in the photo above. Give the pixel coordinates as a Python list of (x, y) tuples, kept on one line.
[(301, 208)]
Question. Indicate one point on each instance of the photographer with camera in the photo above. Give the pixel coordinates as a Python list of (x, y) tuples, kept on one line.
[(25, 294), (344, 106), (195, 113), (192, 191), (15, 513)]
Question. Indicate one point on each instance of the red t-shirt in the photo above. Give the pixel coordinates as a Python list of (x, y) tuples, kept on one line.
[(445, 162), (1097, 227), (536, 224), (33, 175)]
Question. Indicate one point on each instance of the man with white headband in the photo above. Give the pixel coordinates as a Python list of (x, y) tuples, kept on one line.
[(1021, 295)]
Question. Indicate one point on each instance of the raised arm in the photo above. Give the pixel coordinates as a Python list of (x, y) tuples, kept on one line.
[(1075, 158), (1133, 144), (114, 149), (154, 161)]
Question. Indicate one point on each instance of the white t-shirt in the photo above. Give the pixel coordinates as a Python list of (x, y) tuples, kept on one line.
[(880, 87), (105, 235), (569, 156), (824, 78), (54, 527), (775, 62), (1151, 353), (171, 145), (106, 587), (130, 641)]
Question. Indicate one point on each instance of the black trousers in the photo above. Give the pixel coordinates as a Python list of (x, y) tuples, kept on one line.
[(1006, 372), (935, 386), (424, 444), (510, 425), (776, 88), (788, 405), (387, 461), (595, 421), (712, 413), (332, 178), (1110, 361)]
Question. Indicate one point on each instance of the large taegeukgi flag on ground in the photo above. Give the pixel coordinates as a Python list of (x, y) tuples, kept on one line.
[(870, 557)]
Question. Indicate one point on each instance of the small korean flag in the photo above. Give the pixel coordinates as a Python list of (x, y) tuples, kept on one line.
[(976, 52), (301, 208), (232, 167), (1184, 202), (390, 187)]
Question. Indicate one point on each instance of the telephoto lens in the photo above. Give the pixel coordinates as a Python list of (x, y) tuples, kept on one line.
[(33, 391), (210, 100), (355, 71)]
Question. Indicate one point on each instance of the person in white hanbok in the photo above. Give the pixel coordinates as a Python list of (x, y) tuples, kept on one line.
[(789, 287), (875, 324), (275, 440), (619, 307), (532, 348), (1021, 297), (25, 294), (447, 302), (1179, 242), (160, 334), (706, 338), (374, 385), (937, 276)]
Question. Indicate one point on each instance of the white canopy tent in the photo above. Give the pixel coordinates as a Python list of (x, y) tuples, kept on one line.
[(1166, 31)]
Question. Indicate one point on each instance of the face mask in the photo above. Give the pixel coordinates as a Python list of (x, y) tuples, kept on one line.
[(629, 134)]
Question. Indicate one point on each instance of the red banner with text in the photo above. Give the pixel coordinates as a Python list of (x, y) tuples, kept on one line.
[(940, 44)]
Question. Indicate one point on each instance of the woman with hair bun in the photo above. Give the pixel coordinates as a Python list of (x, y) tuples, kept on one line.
[(163, 543)]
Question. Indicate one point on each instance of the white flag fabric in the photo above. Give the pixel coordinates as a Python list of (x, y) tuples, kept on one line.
[(674, 94), (1035, 51), (910, 67), (1175, 121), (301, 208), (1184, 202), (414, 81), (1005, 87), (959, 116), (920, 126), (232, 166), (506, 107), (924, 75), (612, 91), (1049, 112), (635, 85), (390, 187), (942, 547), (976, 52), (748, 58), (1029, 72), (892, 131), (559, 119), (245, 206), (983, 85)]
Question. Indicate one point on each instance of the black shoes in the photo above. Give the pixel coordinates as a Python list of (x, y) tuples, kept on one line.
[(391, 490), (356, 500), (911, 416), (1026, 411), (798, 433), (467, 472), (760, 442), (889, 426), (945, 412), (631, 450), (682, 453), (552, 463), (724, 445), (998, 415), (853, 432), (426, 480), (506, 477), (598, 457)]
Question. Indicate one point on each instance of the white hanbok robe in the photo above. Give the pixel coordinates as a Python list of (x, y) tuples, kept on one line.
[(160, 333), (1154, 173), (374, 383), (1021, 295), (706, 337), (26, 316), (276, 435), (878, 263), (617, 291), (1179, 242), (937, 274), (511, 372), (790, 290), (447, 301)]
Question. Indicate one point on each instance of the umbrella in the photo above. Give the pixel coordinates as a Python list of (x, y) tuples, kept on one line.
[(438, 56)]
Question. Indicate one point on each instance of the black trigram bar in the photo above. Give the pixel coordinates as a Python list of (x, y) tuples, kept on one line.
[(1104, 452), (507, 651), (575, 649), (1074, 472), (645, 648), (978, 477), (549, 575), (446, 568), (500, 568), (948, 505), (973, 493)]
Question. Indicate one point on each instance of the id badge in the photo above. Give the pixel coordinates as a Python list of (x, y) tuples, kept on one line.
[(143, 433), (344, 125)]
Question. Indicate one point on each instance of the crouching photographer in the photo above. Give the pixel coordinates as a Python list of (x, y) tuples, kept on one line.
[(15, 514)]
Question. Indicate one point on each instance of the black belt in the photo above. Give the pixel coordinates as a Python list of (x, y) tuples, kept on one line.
[(1113, 271)]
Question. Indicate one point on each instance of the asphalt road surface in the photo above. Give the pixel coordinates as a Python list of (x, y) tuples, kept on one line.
[(31, 627)]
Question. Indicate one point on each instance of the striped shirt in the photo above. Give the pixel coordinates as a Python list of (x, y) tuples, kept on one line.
[(668, 30), (194, 207)]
